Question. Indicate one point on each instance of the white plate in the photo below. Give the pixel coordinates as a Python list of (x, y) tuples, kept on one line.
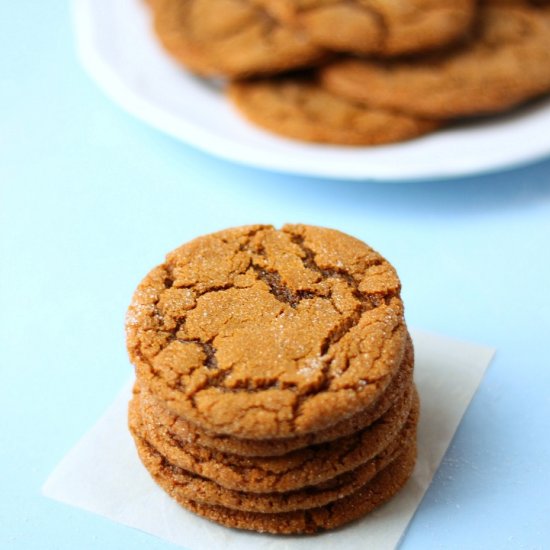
[(119, 51)]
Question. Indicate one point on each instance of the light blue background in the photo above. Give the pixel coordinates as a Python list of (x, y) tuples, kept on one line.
[(90, 200)]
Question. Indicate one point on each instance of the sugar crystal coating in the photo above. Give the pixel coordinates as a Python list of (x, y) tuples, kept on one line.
[(227, 329)]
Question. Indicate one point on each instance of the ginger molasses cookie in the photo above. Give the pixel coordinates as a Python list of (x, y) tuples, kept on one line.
[(368, 497), (506, 62), (381, 27), (187, 485), (262, 333), (297, 107), (230, 37), (295, 470), (183, 432)]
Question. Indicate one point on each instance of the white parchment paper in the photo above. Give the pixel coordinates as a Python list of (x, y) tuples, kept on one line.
[(102, 473)]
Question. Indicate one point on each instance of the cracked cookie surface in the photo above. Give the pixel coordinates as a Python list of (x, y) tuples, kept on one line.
[(382, 27), (187, 485), (505, 63), (230, 37), (299, 108), (186, 432), (262, 333)]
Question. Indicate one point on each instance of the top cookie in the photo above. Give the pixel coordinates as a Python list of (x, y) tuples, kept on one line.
[(229, 37), (383, 27), (506, 62), (261, 333)]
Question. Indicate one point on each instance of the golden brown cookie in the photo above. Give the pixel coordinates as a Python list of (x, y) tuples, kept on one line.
[(229, 37), (507, 62), (262, 333), (182, 431), (298, 108), (381, 27), (187, 485), (309, 466), (375, 492)]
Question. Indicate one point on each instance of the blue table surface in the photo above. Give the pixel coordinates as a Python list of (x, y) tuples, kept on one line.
[(91, 199)]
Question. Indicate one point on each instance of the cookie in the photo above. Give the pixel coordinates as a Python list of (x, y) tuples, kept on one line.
[(230, 38), (506, 63), (295, 470), (186, 432), (261, 333), (187, 485), (378, 27), (335, 514), (298, 108)]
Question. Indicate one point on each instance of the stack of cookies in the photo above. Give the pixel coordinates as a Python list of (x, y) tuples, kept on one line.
[(363, 72), (274, 372)]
